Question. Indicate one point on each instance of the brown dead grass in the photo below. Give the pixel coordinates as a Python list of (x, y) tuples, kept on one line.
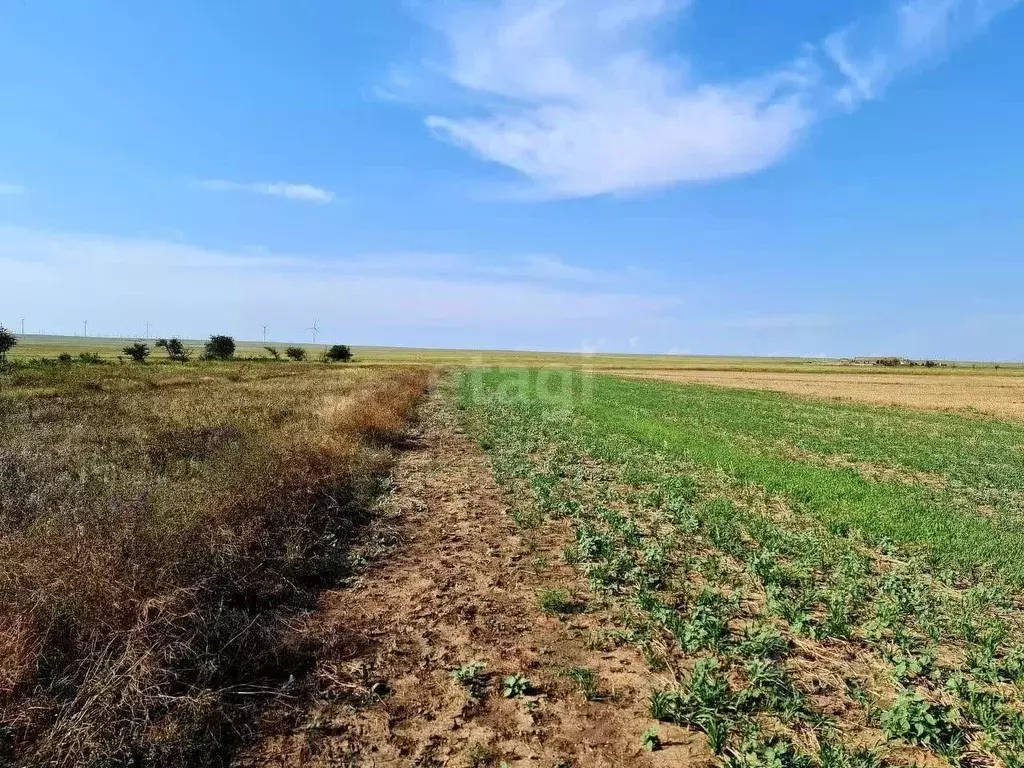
[(1001, 396), (155, 537)]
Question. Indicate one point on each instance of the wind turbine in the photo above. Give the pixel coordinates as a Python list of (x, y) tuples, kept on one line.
[(314, 329), (22, 325), (264, 334), (148, 323), (85, 328)]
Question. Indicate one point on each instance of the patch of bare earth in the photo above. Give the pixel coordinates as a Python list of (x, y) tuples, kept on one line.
[(461, 586), (996, 395)]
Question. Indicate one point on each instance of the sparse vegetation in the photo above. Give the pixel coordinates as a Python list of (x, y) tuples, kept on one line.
[(274, 352), (559, 601), (586, 681), (471, 677), (651, 740)]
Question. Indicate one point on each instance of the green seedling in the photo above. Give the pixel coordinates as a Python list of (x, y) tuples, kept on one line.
[(515, 686), (651, 740)]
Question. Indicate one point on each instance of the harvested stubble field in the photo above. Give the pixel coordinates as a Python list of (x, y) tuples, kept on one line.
[(563, 569), (961, 390)]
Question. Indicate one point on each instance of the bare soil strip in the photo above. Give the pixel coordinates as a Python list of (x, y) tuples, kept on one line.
[(1001, 396), (463, 586)]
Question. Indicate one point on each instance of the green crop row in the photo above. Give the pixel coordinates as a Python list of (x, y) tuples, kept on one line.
[(815, 616)]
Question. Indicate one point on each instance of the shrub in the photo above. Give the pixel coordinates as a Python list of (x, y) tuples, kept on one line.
[(175, 349), (65, 358), (220, 348), (137, 352), (8, 341), (296, 353), (339, 353), (274, 352), (90, 358)]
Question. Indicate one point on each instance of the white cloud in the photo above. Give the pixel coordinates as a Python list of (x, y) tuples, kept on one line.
[(424, 299), (574, 95), (575, 101), (305, 193), (871, 53), (11, 189)]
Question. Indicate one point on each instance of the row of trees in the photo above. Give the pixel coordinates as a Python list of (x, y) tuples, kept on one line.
[(223, 348), (219, 347)]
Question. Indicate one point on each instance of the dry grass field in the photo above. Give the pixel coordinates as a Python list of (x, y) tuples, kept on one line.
[(160, 527)]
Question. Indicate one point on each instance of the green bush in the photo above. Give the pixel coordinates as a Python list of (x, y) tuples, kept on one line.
[(137, 352), (220, 348), (175, 349), (339, 353), (296, 353), (8, 341)]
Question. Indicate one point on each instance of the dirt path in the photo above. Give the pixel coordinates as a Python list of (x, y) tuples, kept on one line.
[(461, 586)]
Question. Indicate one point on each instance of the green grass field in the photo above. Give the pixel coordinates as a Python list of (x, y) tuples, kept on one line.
[(833, 585)]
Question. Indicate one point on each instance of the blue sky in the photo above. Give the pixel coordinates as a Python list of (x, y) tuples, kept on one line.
[(789, 178)]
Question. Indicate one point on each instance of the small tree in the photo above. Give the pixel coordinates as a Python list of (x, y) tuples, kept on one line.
[(296, 353), (220, 348), (137, 351), (175, 349), (274, 352), (8, 341), (339, 353)]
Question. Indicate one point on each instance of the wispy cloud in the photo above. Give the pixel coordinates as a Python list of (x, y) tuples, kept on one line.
[(573, 99), (306, 193), (572, 94), (534, 268), (871, 53), (11, 189)]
